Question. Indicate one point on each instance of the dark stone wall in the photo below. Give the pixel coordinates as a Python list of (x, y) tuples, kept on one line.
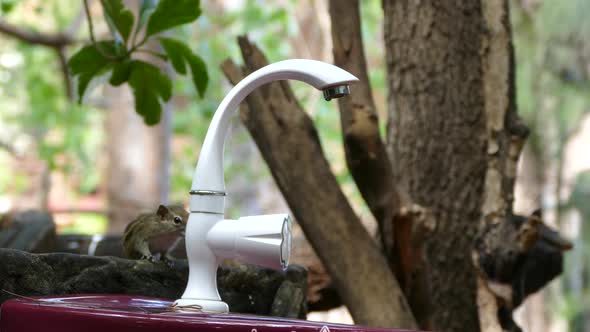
[(247, 289)]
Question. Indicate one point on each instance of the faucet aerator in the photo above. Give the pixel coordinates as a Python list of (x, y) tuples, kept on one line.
[(334, 92)]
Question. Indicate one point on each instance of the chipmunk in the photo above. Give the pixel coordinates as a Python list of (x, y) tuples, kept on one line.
[(168, 220)]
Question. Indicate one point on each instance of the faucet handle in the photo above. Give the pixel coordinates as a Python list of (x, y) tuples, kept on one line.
[(261, 240)]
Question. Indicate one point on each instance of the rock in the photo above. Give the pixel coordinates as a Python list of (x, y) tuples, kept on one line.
[(30, 230), (93, 245), (287, 302), (290, 299), (106, 245), (247, 289)]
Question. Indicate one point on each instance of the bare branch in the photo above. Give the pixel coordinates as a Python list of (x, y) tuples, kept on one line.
[(89, 19), (57, 40), (366, 156), (63, 62)]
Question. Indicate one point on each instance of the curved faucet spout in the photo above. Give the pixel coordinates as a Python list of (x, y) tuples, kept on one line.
[(262, 240), (208, 176)]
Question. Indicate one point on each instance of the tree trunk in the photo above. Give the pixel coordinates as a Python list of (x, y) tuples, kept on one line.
[(367, 160), (290, 145), (454, 138), (137, 161)]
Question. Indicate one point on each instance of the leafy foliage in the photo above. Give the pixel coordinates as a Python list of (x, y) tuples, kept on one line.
[(89, 62), (179, 53), (6, 6), (172, 13), (119, 17), (150, 85), (121, 73)]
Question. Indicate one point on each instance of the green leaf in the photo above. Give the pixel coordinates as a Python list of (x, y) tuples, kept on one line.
[(6, 6), (176, 51), (91, 57), (172, 13), (149, 86), (199, 73), (121, 72), (180, 54), (119, 15), (89, 62), (148, 106)]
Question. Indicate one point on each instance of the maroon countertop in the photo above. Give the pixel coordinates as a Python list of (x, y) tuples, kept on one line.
[(110, 313)]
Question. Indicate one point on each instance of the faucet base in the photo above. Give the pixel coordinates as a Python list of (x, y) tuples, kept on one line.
[(208, 306)]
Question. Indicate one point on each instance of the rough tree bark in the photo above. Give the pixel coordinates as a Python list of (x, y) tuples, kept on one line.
[(368, 162), (366, 156), (290, 145), (455, 138)]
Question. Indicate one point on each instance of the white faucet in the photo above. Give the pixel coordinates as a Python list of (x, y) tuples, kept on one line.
[(262, 240)]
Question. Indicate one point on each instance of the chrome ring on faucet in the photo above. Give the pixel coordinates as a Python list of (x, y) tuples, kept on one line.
[(207, 192)]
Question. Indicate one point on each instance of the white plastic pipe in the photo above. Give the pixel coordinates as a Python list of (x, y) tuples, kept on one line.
[(263, 240)]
